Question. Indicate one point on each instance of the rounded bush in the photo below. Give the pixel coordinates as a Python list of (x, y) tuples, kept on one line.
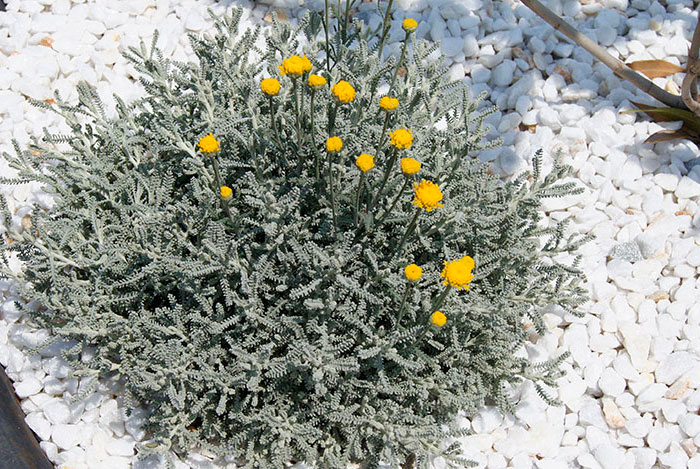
[(281, 263)]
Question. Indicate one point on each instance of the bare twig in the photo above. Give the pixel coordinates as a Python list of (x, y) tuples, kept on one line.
[(618, 67), (689, 87)]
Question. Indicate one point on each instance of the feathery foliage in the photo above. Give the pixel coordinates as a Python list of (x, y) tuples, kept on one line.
[(276, 323)]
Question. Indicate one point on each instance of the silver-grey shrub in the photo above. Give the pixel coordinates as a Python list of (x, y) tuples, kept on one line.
[(267, 333)]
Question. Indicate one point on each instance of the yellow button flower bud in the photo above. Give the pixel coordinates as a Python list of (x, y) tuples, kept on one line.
[(409, 25), (413, 272), (270, 86), (438, 319), (334, 144), (365, 162), (208, 144), (402, 139), (410, 166), (344, 91), (388, 104), (317, 81), (226, 192)]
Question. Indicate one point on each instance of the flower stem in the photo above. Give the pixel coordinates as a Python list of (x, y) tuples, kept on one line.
[(387, 171), (380, 140), (328, 44), (345, 23), (296, 112), (409, 230), (331, 188), (403, 303), (313, 129), (385, 29), (396, 199), (274, 123), (398, 64), (440, 299), (357, 199), (220, 183)]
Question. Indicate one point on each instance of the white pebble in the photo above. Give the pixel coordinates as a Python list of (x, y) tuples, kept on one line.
[(27, 387)]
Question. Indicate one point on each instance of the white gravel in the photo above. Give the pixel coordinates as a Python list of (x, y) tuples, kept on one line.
[(632, 393)]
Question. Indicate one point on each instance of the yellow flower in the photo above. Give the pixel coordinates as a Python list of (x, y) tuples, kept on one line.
[(208, 144), (226, 192), (388, 104), (402, 139), (317, 81), (344, 91), (295, 65), (438, 318), (413, 272), (427, 195), (365, 162), (410, 166), (409, 25), (458, 273), (334, 144), (270, 86)]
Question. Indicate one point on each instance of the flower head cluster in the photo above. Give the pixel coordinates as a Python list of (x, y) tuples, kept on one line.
[(402, 139), (410, 166), (438, 318), (270, 86), (409, 25), (317, 81), (295, 66), (344, 91), (334, 144), (427, 195), (388, 104), (226, 192), (413, 272), (458, 273), (208, 144), (365, 162)]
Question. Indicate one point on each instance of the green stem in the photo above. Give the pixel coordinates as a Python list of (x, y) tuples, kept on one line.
[(220, 183), (387, 171), (296, 112), (313, 130), (440, 299), (332, 111), (398, 65), (385, 29), (331, 188), (274, 123), (328, 44), (403, 303), (393, 204), (380, 140), (345, 23), (408, 231), (357, 199)]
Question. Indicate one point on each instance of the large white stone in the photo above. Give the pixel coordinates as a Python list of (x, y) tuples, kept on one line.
[(608, 456), (27, 387), (674, 365), (39, 425), (66, 436), (687, 188), (611, 383), (452, 46), (637, 342), (690, 424), (121, 446), (56, 411)]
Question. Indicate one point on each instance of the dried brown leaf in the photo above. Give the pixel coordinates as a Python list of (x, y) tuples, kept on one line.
[(655, 68)]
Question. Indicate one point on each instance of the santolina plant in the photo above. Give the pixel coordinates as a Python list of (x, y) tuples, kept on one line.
[(289, 254)]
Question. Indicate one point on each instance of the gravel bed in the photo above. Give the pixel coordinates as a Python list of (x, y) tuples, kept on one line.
[(631, 395)]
